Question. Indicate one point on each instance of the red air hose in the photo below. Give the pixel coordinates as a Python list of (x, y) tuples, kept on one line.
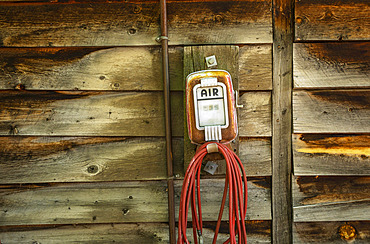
[(235, 181)]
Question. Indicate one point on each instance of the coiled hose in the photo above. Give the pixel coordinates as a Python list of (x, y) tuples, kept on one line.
[(235, 184)]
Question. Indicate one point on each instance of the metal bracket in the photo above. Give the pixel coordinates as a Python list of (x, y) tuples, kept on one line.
[(237, 100), (160, 38), (210, 167)]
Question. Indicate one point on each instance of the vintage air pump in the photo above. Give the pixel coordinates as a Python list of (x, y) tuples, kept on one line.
[(210, 105), (212, 123)]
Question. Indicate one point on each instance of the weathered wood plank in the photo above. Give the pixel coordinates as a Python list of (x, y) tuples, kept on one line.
[(116, 202), (255, 67), (97, 233), (256, 105), (88, 159), (75, 113), (119, 68), (332, 20), (320, 65), (255, 154), (74, 159), (113, 24), (283, 25), (336, 111), (87, 113), (84, 203), (331, 199), (332, 232), (257, 232), (328, 154)]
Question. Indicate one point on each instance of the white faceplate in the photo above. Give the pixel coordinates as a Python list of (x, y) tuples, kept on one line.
[(210, 104)]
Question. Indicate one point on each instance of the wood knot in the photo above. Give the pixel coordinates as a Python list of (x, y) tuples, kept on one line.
[(131, 31), (298, 20), (137, 9), (328, 15), (347, 232), (20, 87), (219, 18), (92, 169)]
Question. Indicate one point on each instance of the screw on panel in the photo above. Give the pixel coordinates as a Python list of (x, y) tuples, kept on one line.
[(211, 61)]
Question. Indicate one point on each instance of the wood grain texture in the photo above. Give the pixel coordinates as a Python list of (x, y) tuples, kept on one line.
[(98, 233), (331, 199), (118, 68), (329, 232), (92, 159), (115, 202), (335, 111), (76, 113), (255, 67), (257, 232), (332, 20), (321, 65), (331, 154), (256, 105), (87, 113), (281, 121), (118, 24), (227, 57), (255, 154), (76, 159)]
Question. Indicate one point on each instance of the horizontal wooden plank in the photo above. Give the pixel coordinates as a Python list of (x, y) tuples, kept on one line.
[(332, 232), (74, 159), (332, 20), (255, 116), (328, 154), (84, 203), (98, 233), (331, 198), (255, 67), (116, 202), (88, 159), (87, 113), (321, 65), (257, 232), (118, 24), (335, 111), (75, 113), (118, 68), (255, 154)]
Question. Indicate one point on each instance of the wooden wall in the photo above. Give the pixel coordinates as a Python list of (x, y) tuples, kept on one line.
[(331, 122), (82, 121), (82, 117)]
